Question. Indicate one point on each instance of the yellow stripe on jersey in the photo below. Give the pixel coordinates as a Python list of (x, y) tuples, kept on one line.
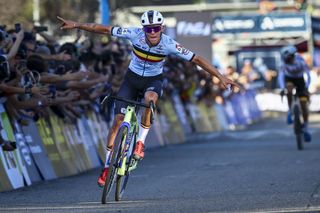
[(152, 57)]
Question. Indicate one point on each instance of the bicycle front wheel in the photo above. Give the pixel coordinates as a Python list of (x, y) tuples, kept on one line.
[(298, 127), (114, 163), (123, 180)]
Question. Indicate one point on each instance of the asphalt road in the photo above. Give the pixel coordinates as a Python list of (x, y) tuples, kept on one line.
[(254, 170)]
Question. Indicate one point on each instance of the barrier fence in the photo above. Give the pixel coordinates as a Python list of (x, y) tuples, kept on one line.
[(51, 148)]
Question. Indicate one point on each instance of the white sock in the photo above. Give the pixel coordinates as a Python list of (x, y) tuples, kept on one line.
[(143, 132), (107, 163)]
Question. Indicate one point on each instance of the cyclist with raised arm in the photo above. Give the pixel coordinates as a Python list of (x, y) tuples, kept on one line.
[(150, 47), (291, 75)]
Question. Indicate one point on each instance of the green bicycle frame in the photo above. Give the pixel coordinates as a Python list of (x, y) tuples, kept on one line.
[(131, 122)]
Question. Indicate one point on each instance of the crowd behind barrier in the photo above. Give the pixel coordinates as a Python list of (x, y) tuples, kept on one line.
[(52, 124)]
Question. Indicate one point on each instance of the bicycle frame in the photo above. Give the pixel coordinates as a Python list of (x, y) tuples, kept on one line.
[(130, 120)]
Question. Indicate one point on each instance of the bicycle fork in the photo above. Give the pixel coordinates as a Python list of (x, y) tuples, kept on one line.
[(123, 164)]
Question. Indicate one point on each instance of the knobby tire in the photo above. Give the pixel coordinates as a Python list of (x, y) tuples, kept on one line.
[(123, 180), (122, 133)]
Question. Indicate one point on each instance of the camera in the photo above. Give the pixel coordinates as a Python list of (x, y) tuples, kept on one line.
[(4, 68), (39, 29), (17, 27)]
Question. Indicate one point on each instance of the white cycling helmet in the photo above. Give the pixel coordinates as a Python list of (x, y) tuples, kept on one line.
[(151, 17)]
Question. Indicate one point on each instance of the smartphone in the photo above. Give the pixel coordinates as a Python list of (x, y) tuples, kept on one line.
[(40, 28), (17, 27)]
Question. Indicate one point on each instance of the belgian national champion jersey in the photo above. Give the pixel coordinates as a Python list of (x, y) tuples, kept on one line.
[(146, 60)]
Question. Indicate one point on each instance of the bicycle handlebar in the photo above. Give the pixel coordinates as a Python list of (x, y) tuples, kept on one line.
[(135, 103)]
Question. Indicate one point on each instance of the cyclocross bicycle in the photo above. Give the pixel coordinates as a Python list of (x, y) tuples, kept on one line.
[(122, 161)]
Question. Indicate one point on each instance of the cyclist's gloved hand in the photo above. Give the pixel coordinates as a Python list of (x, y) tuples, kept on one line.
[(282, 92)]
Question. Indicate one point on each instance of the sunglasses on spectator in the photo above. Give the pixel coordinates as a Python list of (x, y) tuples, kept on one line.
[(148, 29)]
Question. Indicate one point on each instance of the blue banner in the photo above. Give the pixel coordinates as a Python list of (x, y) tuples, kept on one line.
[(274, 22)]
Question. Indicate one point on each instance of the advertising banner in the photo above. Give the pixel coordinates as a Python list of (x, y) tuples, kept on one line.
[(193, 31), (75, 131), (61, 144), (26, 154), (155, 137), (165, 127), (275, 22), (86, 136), (67, 131), (175, 133), (221, 116), (99, 132), (9, 160), (182, 116), (203, 117), (204, 122), (53, 154), (38, 151)]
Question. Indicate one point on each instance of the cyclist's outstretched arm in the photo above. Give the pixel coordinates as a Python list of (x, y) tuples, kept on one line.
[(204, 64), (91, 27)]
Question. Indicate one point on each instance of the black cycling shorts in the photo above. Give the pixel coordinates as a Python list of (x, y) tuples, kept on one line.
[(134, 84), (300, 85)]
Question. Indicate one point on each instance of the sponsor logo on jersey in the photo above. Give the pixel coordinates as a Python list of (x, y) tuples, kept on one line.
[(119, 31), (126, 31), (137, 30), (122, 31), (182, 50), (159, 47), (142, 41)]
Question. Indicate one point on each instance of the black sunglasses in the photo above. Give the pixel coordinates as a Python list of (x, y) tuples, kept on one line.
[(148, 29)]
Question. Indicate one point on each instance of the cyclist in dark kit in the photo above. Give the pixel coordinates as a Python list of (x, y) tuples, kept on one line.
[(291, 75)]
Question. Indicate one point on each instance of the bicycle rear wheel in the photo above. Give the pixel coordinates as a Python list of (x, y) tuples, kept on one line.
[(121, 136), (298, 127), (123, 180)]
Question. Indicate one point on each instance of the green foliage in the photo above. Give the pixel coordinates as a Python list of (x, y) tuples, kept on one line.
[(16, 12), (21, 11)]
